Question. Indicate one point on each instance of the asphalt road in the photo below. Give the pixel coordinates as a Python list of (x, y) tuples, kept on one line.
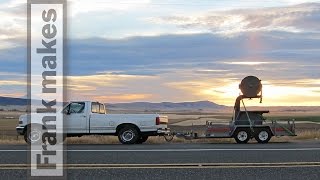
[(178, 161)]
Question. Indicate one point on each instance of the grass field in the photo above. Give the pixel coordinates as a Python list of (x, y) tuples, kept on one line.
[(297, 118), (302, 136), (9, 120)]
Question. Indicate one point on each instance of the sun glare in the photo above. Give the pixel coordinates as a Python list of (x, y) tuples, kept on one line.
[(273, 95), (282, 91)]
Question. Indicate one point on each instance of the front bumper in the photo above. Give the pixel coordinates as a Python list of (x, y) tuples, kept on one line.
[(20, 130)]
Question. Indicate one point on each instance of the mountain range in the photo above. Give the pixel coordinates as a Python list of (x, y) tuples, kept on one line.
[(166, 105), (8, 101)]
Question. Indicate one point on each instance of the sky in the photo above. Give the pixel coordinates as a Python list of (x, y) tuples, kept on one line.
[(177, 50)]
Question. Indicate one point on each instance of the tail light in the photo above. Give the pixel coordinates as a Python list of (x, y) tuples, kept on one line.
[(157, 120)]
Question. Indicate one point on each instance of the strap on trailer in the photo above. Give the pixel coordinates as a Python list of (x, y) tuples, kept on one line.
[(249, 119)]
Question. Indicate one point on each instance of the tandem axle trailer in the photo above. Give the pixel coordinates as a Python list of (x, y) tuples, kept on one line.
[(245, 125), (262, 133)]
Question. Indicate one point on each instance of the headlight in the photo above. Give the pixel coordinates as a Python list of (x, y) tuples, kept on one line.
[(21, 118)]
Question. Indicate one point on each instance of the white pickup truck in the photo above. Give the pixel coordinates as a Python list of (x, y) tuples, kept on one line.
[(90, 118)]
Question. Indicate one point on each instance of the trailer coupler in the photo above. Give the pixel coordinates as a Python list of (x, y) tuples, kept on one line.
[(187, 136)]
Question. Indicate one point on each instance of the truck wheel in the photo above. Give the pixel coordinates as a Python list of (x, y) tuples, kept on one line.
[(142, 139), (242, 136), (263, 136), (128, 135), (34, 135)]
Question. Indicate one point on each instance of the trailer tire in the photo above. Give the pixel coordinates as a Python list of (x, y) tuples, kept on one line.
[(128, 135), (242, 136), (263, 136), (142, 139)]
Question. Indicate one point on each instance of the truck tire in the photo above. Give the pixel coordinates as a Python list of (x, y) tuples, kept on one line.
[(242, 136), (142, 139), (263, 136), (34, 136), (128, 135)]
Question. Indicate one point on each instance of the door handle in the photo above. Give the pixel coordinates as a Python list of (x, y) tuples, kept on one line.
[(83, 116)]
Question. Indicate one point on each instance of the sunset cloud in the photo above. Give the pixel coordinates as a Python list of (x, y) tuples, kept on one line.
[(11, 83), (84, 6), (295, 19), (121, 97), (150, 50), (106, 87)]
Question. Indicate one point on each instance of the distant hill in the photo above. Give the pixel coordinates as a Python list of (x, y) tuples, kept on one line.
[(5, 101), (166, 105), (9, 103)]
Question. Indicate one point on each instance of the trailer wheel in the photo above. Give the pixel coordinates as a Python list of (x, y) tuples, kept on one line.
[(263, 136), (142, 139), (128, 135), (242, 136)]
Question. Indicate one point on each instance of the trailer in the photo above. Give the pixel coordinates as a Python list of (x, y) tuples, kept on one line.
[(245, 124)]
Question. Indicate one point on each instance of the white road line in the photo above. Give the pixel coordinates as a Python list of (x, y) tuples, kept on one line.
[(171, 150), (171, 166)]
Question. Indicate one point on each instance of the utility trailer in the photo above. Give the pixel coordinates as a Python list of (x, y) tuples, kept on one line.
[(245, 124), (242, 131)]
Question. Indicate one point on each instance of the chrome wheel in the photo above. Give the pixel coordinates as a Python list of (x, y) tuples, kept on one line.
[(34, 135), (127, 135), (263, 135), (242, 136)]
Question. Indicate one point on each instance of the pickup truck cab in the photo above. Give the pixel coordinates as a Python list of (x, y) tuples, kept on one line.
[(90, 118)]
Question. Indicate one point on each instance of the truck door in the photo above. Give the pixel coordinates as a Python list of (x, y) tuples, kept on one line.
[(75, 118), (99, 121)]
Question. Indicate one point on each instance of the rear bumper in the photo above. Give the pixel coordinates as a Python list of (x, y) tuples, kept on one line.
[(20, 130), (163, 131), (159, 132)]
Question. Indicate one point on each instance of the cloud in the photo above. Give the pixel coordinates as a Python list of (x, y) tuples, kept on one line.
[(13, 13), (107, 87), (292, 2), (251, 63), (93, 82), (12, 83), (121, 97), (13, 24), (297, 18), (279, 45), (14, 95), (84, 6), (273, 52)]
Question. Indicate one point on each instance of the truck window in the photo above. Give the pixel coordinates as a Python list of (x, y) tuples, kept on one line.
[(75, 107), (102, 110), (95, 108)]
